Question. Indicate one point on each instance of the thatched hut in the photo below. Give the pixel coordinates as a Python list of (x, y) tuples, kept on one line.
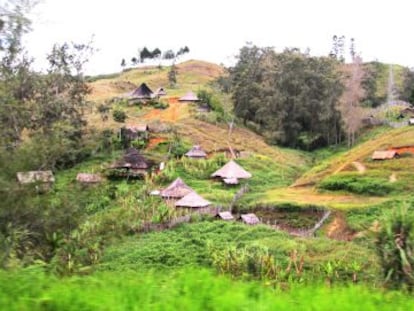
[(385, 155), (176, 190), (30, 177), (87, 178), (42, 179), (250, 219), (231, 172), (160, 92), (133, 163), (135, 131), (196, 153), (143, 92), (189, 97), (225, 216), (192, 200)]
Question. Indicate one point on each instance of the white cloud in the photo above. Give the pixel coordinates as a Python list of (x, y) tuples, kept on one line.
[(214, 30)]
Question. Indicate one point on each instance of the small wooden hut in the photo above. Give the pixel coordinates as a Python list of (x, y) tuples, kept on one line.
[(192, 200), (196, 153), (134, 132), (225, 216), (143, 92), (42, 179), (176, 190), (385, 155), (189, 97), (132, 164), (87, 178), (249, 219), (160, 92), (31, 177), (231, 172)]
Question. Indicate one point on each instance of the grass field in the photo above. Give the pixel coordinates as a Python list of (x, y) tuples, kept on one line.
[(188, 289)]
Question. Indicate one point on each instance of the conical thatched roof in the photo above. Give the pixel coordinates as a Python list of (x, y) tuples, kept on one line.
[(196, 152), (189, 97), (142, 92), (192, 200), (176, 190), (132, 159), (231, 170)]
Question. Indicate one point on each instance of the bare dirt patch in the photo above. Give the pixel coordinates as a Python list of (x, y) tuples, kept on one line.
[(338, 229), (359, 166)]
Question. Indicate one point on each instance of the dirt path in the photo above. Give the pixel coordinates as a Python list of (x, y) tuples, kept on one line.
[(173, 113), (359, 166), (393, 177)]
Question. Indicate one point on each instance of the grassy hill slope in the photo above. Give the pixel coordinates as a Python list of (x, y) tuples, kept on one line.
[(191, 75)]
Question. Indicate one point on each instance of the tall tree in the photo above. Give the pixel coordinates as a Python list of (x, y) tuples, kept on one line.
[(350, 104), (290, 96)]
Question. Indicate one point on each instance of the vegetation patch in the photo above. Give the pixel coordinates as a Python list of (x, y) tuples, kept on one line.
[(355, 183)]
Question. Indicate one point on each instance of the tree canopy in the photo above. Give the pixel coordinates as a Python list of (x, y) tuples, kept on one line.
[(291, 97)]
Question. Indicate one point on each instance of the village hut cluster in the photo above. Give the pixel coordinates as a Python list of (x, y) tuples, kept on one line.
[(134, 164)]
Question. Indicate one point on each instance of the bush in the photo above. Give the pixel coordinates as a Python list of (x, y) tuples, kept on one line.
[(357, 184), (119, 115), (395, 247)]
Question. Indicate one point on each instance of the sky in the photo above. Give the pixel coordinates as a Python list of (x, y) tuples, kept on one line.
[(215, 30)]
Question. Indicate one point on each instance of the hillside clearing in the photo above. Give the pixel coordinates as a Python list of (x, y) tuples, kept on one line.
[(310, 196)]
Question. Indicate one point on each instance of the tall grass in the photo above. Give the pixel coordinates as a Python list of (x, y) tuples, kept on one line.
[(189, 289)]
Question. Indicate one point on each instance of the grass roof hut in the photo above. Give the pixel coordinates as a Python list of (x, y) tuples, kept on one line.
[(385, 155), (192, 200), (87, 178), (176, 190), (31, 177), (250, 219), (231, 172), (133, 132), (225, 216), (160, 92), (42, 179), (196, 153), (133, 163), (143, 92), (189, 97)]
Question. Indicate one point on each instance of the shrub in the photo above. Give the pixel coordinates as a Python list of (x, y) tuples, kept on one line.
[(119, 115), (395, 247), (357, 184)]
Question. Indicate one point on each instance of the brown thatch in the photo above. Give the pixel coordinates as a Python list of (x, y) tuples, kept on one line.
[(407, 112), (35, 176), (87, 178), (225, 216), (232, 170), (196, 152), (176, 190), (142, 92), (132, 159), (160, 92), (192, 200), (137, 128), (250, 219), (385, 155), (189, 97)]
